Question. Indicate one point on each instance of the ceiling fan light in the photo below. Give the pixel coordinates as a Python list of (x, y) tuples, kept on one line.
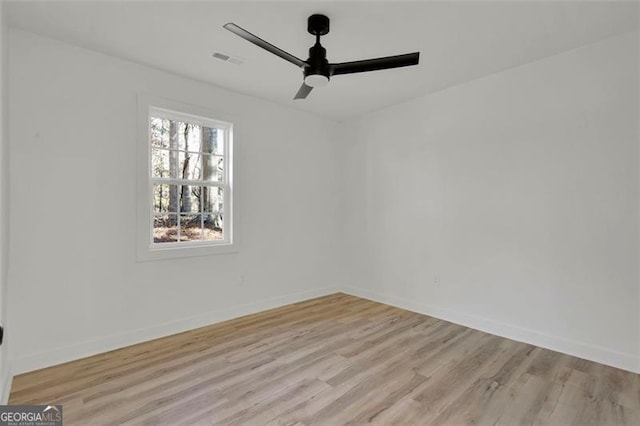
[(316, 80)]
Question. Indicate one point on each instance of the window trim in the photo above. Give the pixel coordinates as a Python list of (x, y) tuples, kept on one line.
[(148, 250)]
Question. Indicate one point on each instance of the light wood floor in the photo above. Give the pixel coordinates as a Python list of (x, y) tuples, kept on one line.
[(334, 360)]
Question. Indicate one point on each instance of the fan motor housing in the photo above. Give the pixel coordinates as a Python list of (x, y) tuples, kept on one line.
[(318, 25), (317, 61)]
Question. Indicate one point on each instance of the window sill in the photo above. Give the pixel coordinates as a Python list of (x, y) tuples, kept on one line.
[(147, 254)]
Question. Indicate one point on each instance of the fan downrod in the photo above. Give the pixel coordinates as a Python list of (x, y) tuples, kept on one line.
[(318, 25)]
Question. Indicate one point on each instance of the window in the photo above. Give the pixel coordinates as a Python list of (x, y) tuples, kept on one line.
[(188, 183)]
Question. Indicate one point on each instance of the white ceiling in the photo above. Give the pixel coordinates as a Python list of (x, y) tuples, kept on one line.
[(458, 41)]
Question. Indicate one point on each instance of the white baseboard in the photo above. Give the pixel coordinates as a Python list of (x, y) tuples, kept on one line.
[(105, 344), (5, 389), (599, 354), (587, 351)]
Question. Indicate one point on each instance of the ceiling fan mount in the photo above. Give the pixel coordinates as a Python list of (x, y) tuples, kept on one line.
[(317, 70), (318, 25)]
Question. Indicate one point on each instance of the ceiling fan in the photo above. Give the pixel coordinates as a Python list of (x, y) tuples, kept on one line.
[(317, 70)]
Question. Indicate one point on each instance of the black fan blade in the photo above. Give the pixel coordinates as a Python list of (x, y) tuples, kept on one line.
[(265, 45), (375, 64), (303, 92)]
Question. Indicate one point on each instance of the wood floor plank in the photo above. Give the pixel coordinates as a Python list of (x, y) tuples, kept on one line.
[(334, 360)]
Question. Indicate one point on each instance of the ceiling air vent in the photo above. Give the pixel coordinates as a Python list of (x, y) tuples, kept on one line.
[(227, 58)]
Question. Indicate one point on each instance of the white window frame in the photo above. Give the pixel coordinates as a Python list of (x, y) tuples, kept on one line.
[(147, 249)]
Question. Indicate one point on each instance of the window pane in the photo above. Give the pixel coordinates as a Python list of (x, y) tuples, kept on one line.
[(212, 141), (165, 228), (212, 199), (189, 166), (166, 198), (212, 168), (190, 227), (164, 164), (189, 198), (188, 137), (213, 230), (159, 132), (213, 203), (160, 163)]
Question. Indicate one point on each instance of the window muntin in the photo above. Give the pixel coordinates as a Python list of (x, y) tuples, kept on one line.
[(189, 180)]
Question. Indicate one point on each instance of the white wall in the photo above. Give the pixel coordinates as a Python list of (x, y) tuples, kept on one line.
[(75, 286), (520, 191), (4, 195)]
